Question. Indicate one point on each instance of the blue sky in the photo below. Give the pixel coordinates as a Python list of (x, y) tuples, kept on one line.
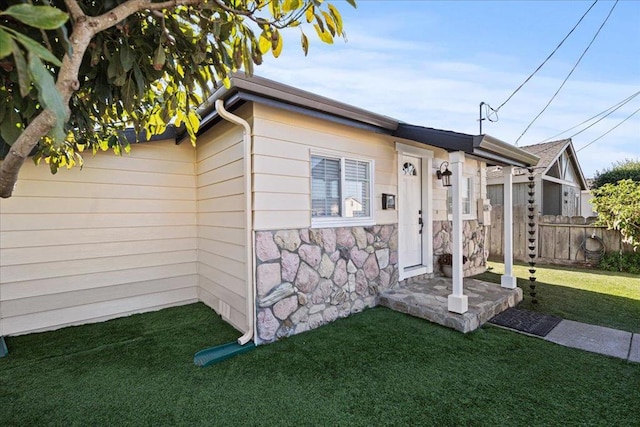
[(432, 63)]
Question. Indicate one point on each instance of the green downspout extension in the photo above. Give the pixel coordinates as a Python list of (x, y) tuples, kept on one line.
[(3, 348)]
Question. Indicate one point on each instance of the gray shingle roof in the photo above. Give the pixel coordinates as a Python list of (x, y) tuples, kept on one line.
[(547, 152)]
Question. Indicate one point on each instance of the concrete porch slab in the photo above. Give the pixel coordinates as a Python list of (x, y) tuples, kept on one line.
[(596, 339), (427, 299)]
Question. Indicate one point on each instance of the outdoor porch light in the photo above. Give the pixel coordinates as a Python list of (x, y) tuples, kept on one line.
[(445, 175)]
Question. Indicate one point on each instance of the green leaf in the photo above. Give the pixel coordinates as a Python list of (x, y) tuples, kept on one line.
[(8, 129), (278, 45), (353, 3), (24, 78), (330, 24), (48, 94), (325, 36), (36, 48), (336, 17), (264, 43), (127, 57), (159, 58), (305, 43), (5, 43), (44, 17), (309, 13), (64, 39)]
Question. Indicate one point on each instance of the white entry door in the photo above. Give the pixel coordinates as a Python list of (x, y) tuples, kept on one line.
[(410, 211)]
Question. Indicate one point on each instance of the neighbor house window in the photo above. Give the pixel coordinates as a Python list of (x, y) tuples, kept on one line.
[(341, 190), (467, 196)]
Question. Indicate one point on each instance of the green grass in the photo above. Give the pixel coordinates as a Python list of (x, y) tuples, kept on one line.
[(590, 296), (374, 368)]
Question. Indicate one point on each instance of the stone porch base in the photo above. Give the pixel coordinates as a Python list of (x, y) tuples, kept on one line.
[(427, 299)]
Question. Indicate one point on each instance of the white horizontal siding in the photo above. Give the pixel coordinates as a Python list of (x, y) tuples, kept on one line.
[(117, 237), (283, 142), (221, 220)]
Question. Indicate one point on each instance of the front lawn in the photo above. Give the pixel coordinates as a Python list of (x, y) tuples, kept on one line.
[(591, 296), (374, 368)]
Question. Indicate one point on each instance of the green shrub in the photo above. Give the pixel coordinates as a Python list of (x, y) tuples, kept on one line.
[(628, 262)]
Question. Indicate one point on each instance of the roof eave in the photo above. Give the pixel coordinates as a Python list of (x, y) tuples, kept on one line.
[(256, 88), (502, 152)]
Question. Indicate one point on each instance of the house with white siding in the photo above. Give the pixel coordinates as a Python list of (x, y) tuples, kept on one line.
[(292, 211)]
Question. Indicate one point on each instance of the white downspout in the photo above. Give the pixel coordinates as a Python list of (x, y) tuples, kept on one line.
[(248, 208)]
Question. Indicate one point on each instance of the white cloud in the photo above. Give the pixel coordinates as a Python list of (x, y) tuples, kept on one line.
[(420, 83)]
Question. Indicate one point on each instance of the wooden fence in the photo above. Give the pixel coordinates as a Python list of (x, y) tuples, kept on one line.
[(559, 239)]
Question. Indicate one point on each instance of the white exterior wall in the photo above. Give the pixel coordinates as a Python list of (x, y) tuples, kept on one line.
[(221, 221), (283, 143), (117, 237)]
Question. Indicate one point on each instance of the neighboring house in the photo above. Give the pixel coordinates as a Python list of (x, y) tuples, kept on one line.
[(586, 208), (276, 219), (558, 177)]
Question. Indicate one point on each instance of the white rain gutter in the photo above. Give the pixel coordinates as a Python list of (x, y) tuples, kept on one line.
[(248, 208)]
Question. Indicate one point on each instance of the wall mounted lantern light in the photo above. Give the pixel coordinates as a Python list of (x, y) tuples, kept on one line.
[(445, 175)]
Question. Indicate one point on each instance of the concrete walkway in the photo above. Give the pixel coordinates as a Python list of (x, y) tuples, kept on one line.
[(596, 339)]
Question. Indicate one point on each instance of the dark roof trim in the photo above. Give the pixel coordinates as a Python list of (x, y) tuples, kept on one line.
[(240, 97), (274, 94), (170, 133), (483, 147), (269, 92)]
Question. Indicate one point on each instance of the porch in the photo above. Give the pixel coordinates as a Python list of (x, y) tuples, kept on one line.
[(427, 299)]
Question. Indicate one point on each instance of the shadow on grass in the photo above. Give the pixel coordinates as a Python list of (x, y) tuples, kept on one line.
[(578, 305)]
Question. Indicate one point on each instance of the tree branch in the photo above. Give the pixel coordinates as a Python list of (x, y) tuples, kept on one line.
[(77, 14), (21, 148)]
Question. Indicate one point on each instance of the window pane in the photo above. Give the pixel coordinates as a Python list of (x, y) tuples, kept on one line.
[(325, 187), (466, 191), (357, 188), (466, 196)]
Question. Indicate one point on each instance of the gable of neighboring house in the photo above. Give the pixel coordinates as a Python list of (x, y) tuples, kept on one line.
[(558, 177)]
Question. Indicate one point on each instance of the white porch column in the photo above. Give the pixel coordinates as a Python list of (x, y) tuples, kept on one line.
[(508, 280), (457, 301)]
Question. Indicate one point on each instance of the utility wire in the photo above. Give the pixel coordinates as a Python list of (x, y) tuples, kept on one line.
[(606, 113), (610, 130), (548, 57), (568, 75)]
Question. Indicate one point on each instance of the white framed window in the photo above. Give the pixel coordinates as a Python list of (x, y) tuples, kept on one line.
[(341, 191), (467, 198)]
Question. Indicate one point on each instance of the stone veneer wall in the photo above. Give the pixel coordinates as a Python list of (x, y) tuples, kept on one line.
[(309, 277), (473, 242)]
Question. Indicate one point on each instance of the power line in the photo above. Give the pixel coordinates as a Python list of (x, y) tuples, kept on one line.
[(568, 75), (610, 130), (606, 113), (548, 57)]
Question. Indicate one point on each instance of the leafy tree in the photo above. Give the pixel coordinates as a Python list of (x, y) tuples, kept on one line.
[(76, 73), (618, 208), (626, 169)]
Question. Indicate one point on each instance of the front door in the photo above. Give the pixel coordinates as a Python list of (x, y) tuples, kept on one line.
[(410, 211)]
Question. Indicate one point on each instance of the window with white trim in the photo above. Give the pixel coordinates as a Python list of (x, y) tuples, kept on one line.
[(467, 197), (341, 190)]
